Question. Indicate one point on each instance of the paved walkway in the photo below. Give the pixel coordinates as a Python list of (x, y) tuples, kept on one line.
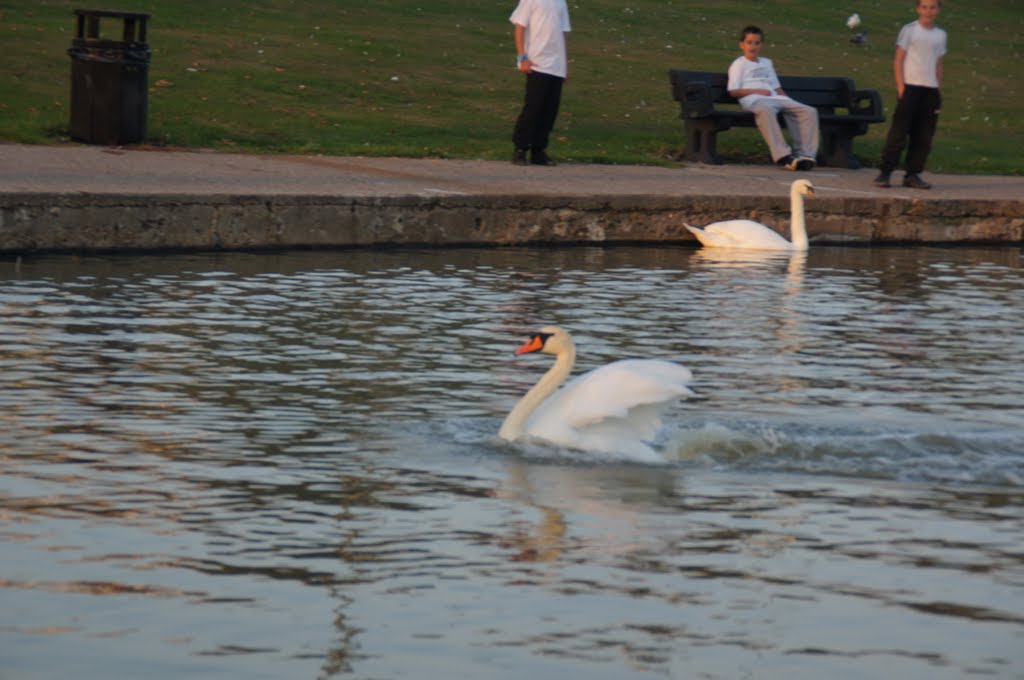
[(83, 198), (101, 170)]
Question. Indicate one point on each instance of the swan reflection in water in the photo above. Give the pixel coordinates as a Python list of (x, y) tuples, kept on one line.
[(739, 258), (578, 512)]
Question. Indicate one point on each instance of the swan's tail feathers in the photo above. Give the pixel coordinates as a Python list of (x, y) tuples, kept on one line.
[(702, 236)]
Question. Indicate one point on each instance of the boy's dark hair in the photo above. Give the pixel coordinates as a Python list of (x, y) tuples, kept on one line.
[(747, 30)]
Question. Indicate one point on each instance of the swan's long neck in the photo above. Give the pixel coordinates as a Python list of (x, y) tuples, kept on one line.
[(513, 426), (797, 226)]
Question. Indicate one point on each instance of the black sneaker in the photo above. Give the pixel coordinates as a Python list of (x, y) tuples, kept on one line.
[(804, 163), (915, 182), (787, 162), (540, 158), (883, 180), (519, 157)]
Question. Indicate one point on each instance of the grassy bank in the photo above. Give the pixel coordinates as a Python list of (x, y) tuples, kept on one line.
[(406, 78)]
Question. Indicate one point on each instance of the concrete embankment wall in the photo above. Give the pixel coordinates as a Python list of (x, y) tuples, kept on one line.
[(53, 222)]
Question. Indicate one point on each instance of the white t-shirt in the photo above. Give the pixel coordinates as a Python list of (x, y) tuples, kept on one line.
[(546, 23), (752, 75), (924, 47)]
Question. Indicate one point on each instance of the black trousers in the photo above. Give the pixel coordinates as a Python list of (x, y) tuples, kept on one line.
[(540, 109), (914, 120)]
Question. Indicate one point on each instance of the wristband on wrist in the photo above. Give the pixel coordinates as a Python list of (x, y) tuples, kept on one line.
[(522, 58)]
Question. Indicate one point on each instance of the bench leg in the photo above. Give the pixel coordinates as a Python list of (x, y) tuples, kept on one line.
[(837, 150), (701, 144)]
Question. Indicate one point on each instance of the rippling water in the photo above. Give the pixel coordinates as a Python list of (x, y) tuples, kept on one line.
[(285, 466)]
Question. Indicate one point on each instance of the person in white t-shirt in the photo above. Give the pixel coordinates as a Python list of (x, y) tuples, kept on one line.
[(540, 28), (917, 66), (753, 81)]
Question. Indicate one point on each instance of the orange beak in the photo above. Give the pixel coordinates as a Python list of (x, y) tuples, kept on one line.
[(534, 344)]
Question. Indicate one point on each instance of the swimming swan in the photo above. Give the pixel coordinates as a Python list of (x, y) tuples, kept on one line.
[(613, 409), (754, 235)]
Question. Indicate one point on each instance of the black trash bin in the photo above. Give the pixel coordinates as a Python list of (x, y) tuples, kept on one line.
[(109, 80)]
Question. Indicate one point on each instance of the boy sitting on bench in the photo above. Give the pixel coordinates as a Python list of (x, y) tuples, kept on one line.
[(753, 81)]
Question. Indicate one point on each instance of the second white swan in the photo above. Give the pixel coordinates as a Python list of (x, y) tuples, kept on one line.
[(754, 235), (614, 409)]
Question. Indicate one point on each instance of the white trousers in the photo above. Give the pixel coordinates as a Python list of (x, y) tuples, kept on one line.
[(801, 121)]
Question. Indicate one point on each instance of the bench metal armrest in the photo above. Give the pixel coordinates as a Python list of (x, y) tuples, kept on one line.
[(866, 102)]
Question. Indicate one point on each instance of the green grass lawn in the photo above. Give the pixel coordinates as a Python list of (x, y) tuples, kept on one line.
[(408, 78)]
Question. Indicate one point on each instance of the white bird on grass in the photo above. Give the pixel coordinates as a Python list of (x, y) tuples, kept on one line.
[(852, 23)]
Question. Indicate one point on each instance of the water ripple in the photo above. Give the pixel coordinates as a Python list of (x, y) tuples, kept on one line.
[(285, 465)]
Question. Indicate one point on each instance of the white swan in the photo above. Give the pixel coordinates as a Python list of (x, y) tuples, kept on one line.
[(613, 409), (754, 235)]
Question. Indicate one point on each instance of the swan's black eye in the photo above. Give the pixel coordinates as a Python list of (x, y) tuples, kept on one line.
[(543, 337)]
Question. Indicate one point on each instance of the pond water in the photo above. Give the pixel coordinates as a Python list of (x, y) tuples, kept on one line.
[(285, 465)]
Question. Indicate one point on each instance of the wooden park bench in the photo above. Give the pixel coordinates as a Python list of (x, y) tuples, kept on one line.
[(844, 112)]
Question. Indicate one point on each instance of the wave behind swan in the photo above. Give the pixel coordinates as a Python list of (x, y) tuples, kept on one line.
[(965, 456), (968, 456)]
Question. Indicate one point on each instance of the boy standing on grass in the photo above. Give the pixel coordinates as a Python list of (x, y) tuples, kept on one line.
[(918, 70), (753, 81), (540, 28)]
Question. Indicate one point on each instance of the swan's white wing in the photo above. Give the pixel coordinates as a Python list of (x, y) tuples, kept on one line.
[(623, 398), (740, 234)]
